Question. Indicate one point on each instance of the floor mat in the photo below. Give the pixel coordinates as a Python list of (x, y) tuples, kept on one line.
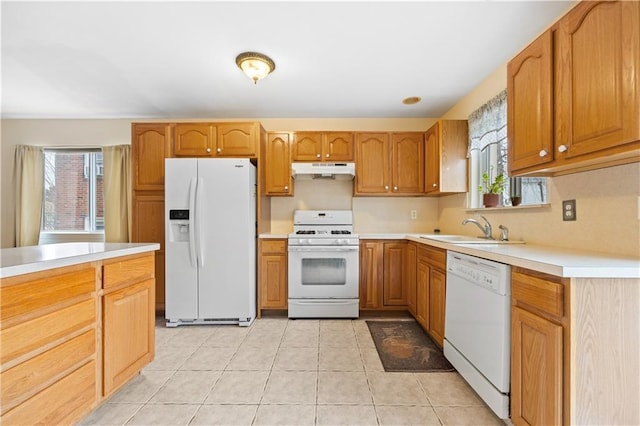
[(404, 346)]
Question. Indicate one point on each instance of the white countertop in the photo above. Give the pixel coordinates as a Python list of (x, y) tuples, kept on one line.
[(556, 261), (24, 260), (268, 236), (561, 262)]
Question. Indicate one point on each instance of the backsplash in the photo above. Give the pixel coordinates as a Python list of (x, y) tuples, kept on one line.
[(371, 214)]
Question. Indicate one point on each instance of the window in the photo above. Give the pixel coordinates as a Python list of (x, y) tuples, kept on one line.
[(73, 195), (488, 154)]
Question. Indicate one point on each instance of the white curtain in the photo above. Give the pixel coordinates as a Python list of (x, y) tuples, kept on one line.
[(488, 124), (29, 179), (117, 193)]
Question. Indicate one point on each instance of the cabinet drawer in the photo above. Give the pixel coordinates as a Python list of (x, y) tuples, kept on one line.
[(273, 246), (127, 270), (435, 256), (26, 379), (540, 293), (42, 331), (65, 402), (42, 290)]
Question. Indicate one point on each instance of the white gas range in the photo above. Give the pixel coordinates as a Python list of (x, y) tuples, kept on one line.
[(323, 265)]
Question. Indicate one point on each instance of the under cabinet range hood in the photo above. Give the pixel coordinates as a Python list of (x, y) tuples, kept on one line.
[(323, 170)]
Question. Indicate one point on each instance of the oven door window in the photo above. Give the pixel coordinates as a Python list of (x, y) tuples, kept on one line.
[(324, 271)]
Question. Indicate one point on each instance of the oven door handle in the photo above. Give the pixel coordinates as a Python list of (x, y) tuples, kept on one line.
[(325, 249)]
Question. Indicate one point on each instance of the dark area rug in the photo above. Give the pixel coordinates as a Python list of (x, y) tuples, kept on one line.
[(404, 346)]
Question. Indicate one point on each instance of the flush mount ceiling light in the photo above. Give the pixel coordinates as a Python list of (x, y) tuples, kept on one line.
[(411, 100), (255, 65)]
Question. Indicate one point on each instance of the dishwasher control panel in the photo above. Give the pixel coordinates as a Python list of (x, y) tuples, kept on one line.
[(491, 275)]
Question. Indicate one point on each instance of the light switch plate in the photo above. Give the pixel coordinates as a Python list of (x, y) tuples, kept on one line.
[(569, 210)]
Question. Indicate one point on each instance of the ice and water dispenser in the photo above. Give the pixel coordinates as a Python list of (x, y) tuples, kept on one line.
[(179, 225)]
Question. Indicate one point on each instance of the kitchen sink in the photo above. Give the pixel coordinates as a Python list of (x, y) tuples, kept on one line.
[(464, 239)]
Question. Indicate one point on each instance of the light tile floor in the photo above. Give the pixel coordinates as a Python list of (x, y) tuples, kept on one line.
[(284, 372)]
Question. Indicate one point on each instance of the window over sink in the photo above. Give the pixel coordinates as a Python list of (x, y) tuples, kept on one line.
[(488, 155)]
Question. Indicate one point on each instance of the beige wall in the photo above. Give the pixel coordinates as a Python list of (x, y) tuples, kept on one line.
[(323, 195), (48, 133), (607, 200)]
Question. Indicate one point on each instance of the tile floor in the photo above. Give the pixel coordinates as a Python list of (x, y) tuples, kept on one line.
[(284, 372)]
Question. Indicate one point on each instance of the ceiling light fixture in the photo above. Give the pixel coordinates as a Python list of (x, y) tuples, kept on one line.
[(411, 100), (255, 65)]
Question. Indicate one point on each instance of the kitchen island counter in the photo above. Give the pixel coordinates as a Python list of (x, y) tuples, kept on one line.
[(24, 260), (77, 324)]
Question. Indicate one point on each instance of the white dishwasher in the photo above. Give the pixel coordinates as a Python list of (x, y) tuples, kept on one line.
[(477, 326)]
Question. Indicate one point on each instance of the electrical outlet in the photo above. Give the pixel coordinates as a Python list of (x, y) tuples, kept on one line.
[(569, 210), (414, 214)]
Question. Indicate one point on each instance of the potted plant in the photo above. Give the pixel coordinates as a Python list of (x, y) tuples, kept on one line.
[(491, 189)]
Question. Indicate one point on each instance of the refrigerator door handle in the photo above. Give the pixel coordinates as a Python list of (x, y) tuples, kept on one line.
[(192, 231), (199, 203)]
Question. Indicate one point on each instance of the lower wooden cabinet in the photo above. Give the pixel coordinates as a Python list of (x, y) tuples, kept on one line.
[(394, 274), (422, 293), (71, 336), (272, 275), (410, 262), (431, 285), (537, 348), (437, 290), (128, 310), (383, 274)]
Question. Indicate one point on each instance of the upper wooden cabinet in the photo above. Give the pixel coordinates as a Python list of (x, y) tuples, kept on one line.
[(407, 163), (150, 144), (216, 139), (237, 139), (372, 163), (195, 139), (597, 87), (446, 144), (529, 82), (389, 164), (278, 164), (338, 146), (573, 98), (321, 146)]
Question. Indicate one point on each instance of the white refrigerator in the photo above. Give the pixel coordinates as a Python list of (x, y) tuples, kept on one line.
[(210, 241)]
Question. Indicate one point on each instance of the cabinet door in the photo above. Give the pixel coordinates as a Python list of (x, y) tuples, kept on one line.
[(422, 294), (148, 227), (394, 285), (151, 144), (410, 276), (370, 275), (273, 281), (407, 163), (597, 77), (195, 139), (536, 370), (128, 327), (237, 140), (432, 163), (372, 163), (437, 289), (530, 105), (307, 146), (278, 165), (338, 146)]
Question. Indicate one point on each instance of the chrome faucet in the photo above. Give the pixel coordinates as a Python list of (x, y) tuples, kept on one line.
[(505, 233), (486, 229)]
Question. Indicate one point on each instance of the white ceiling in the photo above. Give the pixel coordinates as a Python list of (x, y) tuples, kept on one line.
[(333, 59)]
